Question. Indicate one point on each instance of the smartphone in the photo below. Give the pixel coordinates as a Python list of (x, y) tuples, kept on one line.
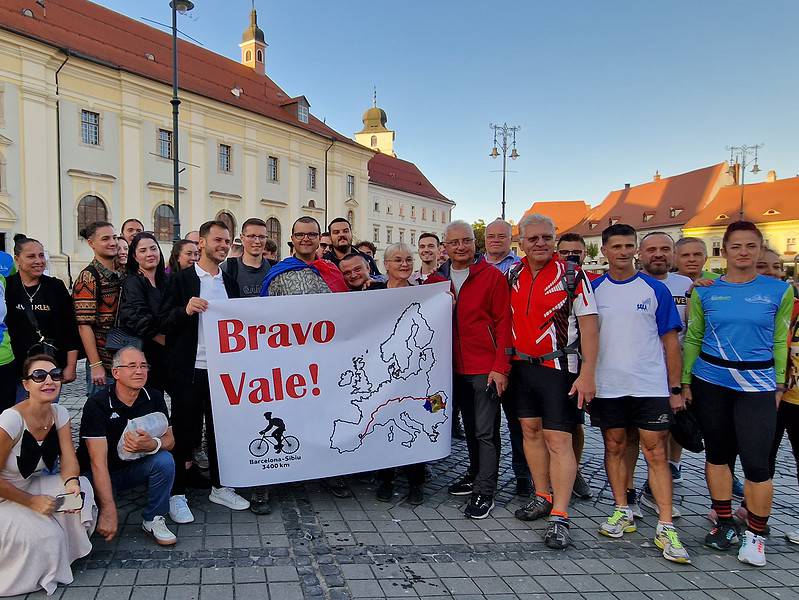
[(67, 502), (492, 390)]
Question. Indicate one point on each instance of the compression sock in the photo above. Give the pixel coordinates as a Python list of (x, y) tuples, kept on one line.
[(756, 524), (723, 509)]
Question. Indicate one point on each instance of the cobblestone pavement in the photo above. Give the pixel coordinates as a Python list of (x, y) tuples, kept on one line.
[(317, 546)]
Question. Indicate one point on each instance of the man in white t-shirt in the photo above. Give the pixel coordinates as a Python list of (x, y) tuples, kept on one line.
[(656, 259), (637, 382)]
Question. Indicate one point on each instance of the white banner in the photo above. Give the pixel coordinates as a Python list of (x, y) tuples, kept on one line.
[(350, 382)]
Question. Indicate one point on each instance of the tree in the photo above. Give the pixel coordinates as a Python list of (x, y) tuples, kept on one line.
[(592, 250), (479, 227)]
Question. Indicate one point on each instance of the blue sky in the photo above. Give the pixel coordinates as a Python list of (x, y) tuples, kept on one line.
[(606, 91)]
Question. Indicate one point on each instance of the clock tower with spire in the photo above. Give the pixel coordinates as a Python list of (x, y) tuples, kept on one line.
[(374, 134), (253, 45)]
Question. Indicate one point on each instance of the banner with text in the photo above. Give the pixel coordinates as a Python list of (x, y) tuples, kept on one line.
[(304, 387)]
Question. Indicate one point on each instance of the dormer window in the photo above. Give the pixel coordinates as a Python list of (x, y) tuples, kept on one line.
[(613, 220), (592, 224), (771, 212), (648, 216), (303, 112), (674, 211), (721, 217)]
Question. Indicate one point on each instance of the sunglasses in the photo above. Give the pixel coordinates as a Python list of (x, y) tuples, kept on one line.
[(39, 375)]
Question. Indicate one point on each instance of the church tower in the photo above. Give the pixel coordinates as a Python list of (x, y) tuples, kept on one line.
[(253, 45), (374, 134)]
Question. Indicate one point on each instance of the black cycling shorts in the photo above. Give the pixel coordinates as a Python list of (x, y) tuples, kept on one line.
[(647, 413), (735, 422), (543, 392)]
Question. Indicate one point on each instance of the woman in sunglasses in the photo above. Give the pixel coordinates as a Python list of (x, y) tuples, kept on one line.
[(46, 520), (41, 316)]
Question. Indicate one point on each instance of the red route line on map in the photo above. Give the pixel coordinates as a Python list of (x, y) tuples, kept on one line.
[(386, 403)]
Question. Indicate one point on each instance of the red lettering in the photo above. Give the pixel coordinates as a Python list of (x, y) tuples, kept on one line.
[(253, 331), (300, 334), (279, 336), (233, 395), (260, 391), (313, 369), (295, 386), (234, 335), (323, 332), (277, 382)]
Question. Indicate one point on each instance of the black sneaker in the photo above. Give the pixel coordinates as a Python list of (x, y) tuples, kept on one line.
[(428, 473), (457, 431), (537, 508), (259, 501), (581, 488), (524, 487), (722, 536), (462, 487), (385, 491), (557, 536), (415, 495), (479, 507), (337, 486)]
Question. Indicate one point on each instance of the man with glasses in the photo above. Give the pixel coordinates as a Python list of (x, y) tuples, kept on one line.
[(481, 335), (103, 424), (498, 253), (324, 244), (341, 246), (555, 340), (251, 267)]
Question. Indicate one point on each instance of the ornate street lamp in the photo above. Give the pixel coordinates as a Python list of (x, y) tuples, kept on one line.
[(740, 158), (506, 136)]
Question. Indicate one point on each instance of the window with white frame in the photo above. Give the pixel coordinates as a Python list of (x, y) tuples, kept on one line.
[(389, 235), (90, 127), (311, 178), (376, 234), (716, 248), (272, 169), (377, 207), (790, 245), (351, 186), (225, 158), (424, 214), (433, 214), (303, 112), (413, 211), (402, 236), (164, 143), (413, 236), (388, 208)]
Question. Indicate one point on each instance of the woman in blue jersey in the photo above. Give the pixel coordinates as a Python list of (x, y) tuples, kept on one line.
[(735, 356)]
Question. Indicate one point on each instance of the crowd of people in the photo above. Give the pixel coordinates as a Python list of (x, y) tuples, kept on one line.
[(538, 339)]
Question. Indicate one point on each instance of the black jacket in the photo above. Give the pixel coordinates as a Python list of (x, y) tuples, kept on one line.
[(181, 329), (54, 312), (333, 257), (139, 306)]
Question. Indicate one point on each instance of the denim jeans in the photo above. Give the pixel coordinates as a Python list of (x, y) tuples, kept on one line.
[(92, 389), (157, 472)]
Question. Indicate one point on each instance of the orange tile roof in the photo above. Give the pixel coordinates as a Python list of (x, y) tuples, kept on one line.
[(686, 193), (398, 174), (763, 203), (565, 213), (97, 34)]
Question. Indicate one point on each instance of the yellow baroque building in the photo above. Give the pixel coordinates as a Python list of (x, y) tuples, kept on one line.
[(86, 134)]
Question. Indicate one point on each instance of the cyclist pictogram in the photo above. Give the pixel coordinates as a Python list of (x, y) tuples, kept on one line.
[(274, 432)]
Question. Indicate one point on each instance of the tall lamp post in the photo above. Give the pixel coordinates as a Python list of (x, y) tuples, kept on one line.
[(506, 135), (182, 7), (740, 158)]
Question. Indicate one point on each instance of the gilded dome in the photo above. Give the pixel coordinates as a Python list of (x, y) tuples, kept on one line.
[(375, 117), (253, 32)]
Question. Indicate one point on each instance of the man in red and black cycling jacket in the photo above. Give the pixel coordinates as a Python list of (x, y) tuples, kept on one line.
[(555, 340), (481, 346)]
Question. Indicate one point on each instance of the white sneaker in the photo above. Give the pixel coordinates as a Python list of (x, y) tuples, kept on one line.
[(179, 510), (649, 501), (200, 459), (753, 550), (635, 509), (228, 497), (158, 529), (793, 536)]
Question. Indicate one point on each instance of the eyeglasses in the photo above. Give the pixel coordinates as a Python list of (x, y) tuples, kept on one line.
[(255, 238), (533, 239), (461, 242), (135, 367), (401, 261), (310, 235), (321, 245), (39, 375), (565, 253)]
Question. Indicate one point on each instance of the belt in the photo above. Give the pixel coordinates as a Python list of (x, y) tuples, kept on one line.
[(537, 360), (740, 365)]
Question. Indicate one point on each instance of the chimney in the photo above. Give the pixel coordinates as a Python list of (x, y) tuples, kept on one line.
[(657, 176), (626, 186), (771, 177)]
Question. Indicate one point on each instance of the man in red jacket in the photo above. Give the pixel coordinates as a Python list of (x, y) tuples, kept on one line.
[(481, 335)]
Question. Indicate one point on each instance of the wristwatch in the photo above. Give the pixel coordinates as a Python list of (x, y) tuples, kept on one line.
[(676, 390)]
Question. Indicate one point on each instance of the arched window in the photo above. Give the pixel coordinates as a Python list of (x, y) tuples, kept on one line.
[(260, 56), (248, 55), (229, 220), (374, 141), (91, 209), (311, 203), (273, 232), (164, 222)]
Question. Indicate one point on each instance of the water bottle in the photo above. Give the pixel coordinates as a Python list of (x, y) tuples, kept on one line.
[(154, 423)]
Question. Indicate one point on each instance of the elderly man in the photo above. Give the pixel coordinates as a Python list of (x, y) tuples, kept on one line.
[(498, 252), (690, 255), (103, 424), (555, 339), (481, 335)]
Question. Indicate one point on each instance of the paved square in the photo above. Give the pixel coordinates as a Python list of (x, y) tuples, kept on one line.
[(317, 546)]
